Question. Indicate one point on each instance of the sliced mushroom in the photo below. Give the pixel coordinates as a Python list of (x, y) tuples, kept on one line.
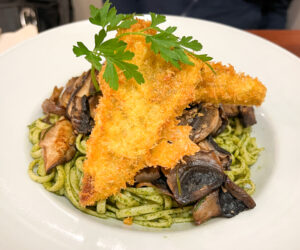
[(148, 175), (144, 184), (207, 208), (161, 184), (80, 115), (205, 123), (69, 89), (230, 206), (51, 105), (239, 193), (247, 116), (195, 177), (226, 202), (204, 119), (189, 114), (93, 103), (223, 122), (209, 145), (78, 84), (231, 110), (223, 155), (152, 177), (234, 199), (78, 108), (246, 113), (58, 144), (87, 87)]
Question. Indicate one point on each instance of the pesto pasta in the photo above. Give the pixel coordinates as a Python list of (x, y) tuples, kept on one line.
[(145, 206), (244, 152)]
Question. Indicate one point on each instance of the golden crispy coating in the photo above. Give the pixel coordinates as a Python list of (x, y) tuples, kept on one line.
[(228, 87), (130, 122), (135, 125), (173, 144)]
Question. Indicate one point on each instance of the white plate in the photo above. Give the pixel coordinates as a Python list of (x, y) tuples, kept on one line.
[(32, 218)]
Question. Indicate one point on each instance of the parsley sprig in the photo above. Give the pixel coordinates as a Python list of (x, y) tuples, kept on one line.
[(172, 48)]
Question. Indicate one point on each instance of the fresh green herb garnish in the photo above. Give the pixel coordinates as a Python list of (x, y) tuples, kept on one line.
[(172, 48)]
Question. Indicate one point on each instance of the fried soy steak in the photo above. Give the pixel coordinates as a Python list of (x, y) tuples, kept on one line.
[(197, 179)]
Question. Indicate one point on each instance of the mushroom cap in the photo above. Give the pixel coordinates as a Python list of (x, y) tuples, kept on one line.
[(207, 208), (58, 144), (195, 177)]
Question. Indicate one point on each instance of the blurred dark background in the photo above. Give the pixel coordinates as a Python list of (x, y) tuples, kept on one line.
[(244, 14), (45, 14)]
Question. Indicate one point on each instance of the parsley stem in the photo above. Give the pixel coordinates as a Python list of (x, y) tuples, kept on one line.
[(94, 79), (132, 33), (141, 32), (172, 49)]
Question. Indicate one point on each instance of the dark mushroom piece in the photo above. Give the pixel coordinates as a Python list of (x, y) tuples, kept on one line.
[(51, 105), (230, 206), (247, 116), (205, 123), (228, 201), (195, 177), (81, 100), (162, 185), (223, 122), (234, 199), (58, 144), (93, 103), (87, 87), (204, 119), (148, 174), (231, 110), (209, 145), (189, 114), (239, 193), (71, 86), (207, 208), (81, 119), (246, 113), (77, 85), (144, 184), (152, 177)]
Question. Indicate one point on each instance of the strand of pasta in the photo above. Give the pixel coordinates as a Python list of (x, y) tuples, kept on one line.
[(132, 203), (238, 141), (145, 206)]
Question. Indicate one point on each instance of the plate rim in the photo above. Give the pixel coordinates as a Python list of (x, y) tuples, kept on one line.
[(43, 33), (53, 30)]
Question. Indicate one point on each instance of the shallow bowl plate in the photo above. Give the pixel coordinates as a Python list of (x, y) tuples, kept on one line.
[(32, 218)]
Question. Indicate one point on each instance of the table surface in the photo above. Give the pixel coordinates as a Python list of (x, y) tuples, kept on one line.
[(288, 39)]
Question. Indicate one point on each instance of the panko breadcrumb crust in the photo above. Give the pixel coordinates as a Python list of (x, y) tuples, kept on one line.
[(135, 124)]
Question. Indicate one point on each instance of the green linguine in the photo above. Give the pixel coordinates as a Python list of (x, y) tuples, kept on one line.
[(244, 152), (146, 206)]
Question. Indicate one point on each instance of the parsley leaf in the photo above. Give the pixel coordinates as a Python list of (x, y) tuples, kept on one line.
[(172, 48), (166, 44), (113, 49), (187, 42), (118, 56), (110, 74), (156, 19), (99, 38), (101, 17), (204, 57), (94, 59), (169, 47)]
